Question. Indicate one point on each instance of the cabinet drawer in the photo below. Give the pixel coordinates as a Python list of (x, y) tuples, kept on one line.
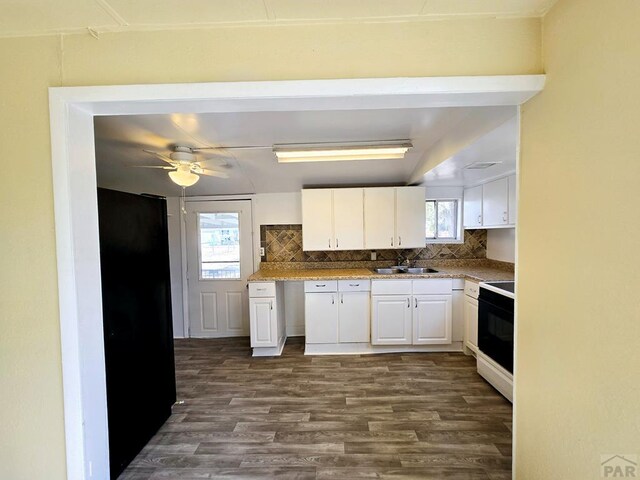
[(321, 286), (442, 286), (262, 289), (471, 289), (358, 285), (391, 287)]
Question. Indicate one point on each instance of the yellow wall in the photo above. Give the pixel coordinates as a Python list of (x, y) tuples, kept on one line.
[(578, 362), (31, 420)]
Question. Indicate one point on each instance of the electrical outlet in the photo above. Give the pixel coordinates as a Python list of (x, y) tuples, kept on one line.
[(262, 251), (374, 255)]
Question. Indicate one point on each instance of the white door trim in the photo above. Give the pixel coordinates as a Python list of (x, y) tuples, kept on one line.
[(76, 214)]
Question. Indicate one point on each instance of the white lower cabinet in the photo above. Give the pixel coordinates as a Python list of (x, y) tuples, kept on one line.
[(432, 319), (321, 317), (354, 317), (414, 313), (264, 322), (340, 315), (391, 320), (471, 316), (266, 318)]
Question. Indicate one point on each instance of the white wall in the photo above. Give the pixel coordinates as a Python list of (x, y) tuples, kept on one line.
[(277, 208), (501, 244), (444, 192), (175, 265)]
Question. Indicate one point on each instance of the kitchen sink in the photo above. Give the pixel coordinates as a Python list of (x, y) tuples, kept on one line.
[(391, 270), (400, 269), (418, 270)]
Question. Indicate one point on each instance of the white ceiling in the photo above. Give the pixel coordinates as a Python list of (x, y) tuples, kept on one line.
[(38, 17), (120, 141), (499, 145)]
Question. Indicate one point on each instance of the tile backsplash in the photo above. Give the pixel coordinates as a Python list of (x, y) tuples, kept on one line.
[(283, 243)]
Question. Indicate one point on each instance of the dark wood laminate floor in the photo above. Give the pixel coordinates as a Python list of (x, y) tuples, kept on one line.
[(418, 415)]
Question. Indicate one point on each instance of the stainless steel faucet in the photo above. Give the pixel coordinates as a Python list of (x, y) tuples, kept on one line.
[(403, 262)]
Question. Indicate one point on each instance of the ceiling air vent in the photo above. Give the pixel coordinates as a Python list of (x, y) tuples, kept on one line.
[(480, 165)]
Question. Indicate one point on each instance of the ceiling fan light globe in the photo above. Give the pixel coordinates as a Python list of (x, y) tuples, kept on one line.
[(183, 178)]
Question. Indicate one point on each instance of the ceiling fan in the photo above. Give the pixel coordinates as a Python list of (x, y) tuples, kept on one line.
[(184, 166)]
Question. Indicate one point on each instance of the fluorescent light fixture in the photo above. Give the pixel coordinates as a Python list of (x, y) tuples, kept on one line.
[(339, 153)]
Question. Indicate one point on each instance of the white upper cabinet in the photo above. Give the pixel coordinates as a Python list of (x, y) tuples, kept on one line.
[(363, 218), (495, 203), (379, 218), (513, 207), (394, 217), (410, 217), (473, 207), (317, 220), (348, 219), (491, 205), (332, 219)]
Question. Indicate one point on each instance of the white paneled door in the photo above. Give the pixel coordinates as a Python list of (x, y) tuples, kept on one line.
[(219, 260)]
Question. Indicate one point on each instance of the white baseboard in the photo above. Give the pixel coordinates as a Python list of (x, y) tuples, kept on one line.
[(367, 348), (270, 351)]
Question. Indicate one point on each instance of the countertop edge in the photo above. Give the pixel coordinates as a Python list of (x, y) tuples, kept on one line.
[(262, 277)]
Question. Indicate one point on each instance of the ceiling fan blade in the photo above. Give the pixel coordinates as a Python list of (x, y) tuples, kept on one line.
[(152, 166), (242, 147), (213, 173), (161, 157), (213, 162)]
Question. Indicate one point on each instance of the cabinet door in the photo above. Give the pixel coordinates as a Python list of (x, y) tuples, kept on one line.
[(410, 217), (431, 319), (264, 322), (513, 206), (472, 217), (391, 320), (495, 203), (348, 218), (321, 317), (317, 221), (379, 218), (471, 323), (353, 317)]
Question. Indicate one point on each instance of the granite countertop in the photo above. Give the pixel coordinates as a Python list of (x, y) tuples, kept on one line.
[(479, 273)]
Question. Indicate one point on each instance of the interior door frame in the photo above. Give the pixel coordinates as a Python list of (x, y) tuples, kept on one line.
[(71, 112)]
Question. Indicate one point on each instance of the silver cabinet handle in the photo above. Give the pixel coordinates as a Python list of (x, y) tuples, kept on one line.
[(323, 285), (408, 302), (392, 241), (354, 284), (271, 305), (399, 241), (337, 244), (342, 298), (329, 243), (479, 219), (260, 289), (504, 217), (333, 300), (416, 300)]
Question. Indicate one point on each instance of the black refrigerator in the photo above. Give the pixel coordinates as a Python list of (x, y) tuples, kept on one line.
[(138, 331)]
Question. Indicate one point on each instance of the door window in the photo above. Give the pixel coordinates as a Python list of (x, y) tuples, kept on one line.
[(219, 245)]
